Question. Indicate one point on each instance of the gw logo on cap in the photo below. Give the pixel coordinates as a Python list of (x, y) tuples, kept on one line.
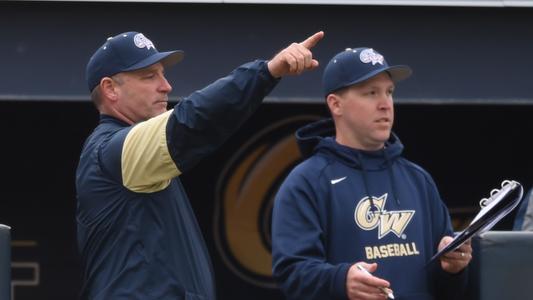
[(370, 56), (141, 41)]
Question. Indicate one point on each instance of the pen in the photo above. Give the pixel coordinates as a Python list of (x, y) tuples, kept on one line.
[(386, 291)]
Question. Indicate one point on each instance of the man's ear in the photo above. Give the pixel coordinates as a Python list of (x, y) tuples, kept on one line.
[(334, 104), (108, 89)]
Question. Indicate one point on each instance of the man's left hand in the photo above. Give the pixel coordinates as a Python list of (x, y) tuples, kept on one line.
[(455, 261)]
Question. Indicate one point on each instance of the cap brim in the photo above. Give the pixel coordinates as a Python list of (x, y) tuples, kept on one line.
[(168, 58), (397, 73)]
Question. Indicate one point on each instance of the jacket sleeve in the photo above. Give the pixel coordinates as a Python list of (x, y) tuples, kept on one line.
[(298, 245), (159, 149), (204, 120)]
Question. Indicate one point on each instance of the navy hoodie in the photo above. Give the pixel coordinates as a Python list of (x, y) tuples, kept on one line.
[(341, 206)]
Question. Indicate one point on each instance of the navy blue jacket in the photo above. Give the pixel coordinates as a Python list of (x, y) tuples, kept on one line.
[(341, 206), (137, 233)]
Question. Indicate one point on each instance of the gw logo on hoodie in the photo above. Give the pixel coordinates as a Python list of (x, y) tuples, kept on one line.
[(368, 218), (387, 221)]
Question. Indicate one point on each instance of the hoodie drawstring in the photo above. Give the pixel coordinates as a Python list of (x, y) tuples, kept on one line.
[(392, 181), (391, 177), (365, 181)]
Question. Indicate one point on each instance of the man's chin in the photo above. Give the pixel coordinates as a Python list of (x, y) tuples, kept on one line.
[(383, 136), (160, 111)]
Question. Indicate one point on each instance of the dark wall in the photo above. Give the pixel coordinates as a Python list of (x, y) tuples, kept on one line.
[(457, 53), (468, 149)]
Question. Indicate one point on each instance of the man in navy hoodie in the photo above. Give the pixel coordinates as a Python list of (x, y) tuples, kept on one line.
[(355, 203), (137, 233)]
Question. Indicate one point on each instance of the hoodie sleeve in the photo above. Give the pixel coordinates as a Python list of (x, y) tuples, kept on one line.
[(448, 286), (298, 244)]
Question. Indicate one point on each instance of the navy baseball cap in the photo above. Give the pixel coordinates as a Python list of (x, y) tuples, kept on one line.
[(124, 52), (356, 65)]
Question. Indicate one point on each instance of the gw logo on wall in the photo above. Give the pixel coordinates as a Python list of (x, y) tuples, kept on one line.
[(245, 193)]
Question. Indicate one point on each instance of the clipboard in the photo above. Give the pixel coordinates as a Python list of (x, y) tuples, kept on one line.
[(500, 203)]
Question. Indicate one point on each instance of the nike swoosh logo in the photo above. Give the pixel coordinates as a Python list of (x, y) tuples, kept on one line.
[(335, 181)]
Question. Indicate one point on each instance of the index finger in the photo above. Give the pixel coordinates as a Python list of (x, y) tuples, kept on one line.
[(311, 41)]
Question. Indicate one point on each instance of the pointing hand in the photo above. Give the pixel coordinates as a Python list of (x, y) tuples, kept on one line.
[(296, 58)]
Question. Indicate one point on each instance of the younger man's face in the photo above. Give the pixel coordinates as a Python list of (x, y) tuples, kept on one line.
[(366, 113)]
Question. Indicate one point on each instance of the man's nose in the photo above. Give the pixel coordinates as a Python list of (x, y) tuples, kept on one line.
[(165, 86), (385, 101)]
